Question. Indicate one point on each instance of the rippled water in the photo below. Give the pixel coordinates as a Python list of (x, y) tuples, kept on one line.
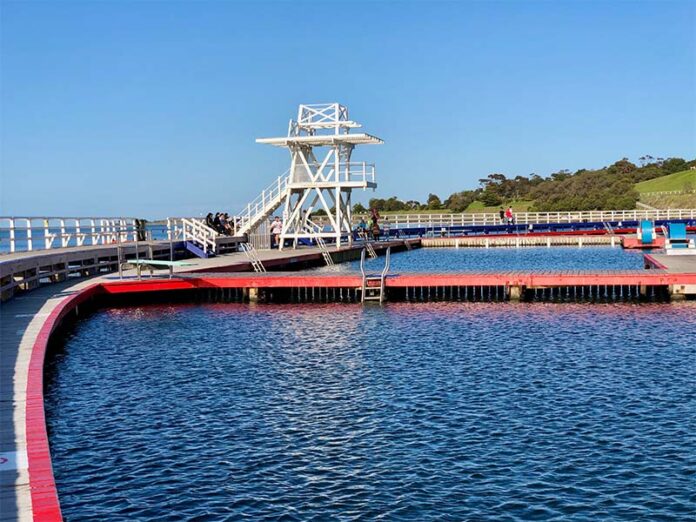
[(526, 259), (448, 411)]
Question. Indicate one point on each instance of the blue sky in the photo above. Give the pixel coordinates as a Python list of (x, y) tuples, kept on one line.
[(151, 108)]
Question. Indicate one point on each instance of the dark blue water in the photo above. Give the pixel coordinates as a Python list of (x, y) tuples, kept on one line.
[(403, 412), (535, 259)]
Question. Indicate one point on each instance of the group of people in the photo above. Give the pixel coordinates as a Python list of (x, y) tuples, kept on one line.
[(363, 231), (506, 216), (221, 223)]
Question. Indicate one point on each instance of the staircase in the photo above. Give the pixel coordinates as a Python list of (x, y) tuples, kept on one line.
[(263, 206), (199, 238)]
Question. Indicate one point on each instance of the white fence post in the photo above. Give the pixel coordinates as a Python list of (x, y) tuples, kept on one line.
[(13, 247), (30, 243)]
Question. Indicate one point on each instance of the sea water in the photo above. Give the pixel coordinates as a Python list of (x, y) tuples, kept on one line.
[(445, 411)]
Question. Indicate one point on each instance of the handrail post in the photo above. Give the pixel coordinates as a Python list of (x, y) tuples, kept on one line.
[(63, 242), (29, 240), (47, 235), (12, 235)]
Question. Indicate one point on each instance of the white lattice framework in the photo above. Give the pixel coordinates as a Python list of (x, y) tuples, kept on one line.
[(322, 175)]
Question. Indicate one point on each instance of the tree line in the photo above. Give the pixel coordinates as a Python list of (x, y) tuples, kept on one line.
[(607, 188)]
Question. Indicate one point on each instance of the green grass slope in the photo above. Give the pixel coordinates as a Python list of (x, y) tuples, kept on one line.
[(518, 205), (684, 180)]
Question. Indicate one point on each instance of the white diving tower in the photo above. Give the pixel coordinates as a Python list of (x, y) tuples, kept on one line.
[(321, 176)]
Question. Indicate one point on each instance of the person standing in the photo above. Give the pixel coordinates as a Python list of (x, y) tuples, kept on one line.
[(375, 231), (509, 215), (374, 215), (276, 229), (501, 213)]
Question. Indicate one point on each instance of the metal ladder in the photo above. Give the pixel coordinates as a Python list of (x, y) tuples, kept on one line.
[(253, 256), (370, 250), (608, 228), (325, 251), (373, 285)]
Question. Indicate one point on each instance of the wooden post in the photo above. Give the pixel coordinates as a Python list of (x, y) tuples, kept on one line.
[(515, 293)]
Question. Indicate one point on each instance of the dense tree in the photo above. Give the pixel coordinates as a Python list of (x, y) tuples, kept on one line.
[(434, 202), (607, 188), (359, 209), (459, 201)]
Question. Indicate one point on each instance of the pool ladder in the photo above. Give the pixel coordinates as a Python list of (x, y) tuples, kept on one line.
[(370, 250), (253, 256), (325, 251), (372, 284)]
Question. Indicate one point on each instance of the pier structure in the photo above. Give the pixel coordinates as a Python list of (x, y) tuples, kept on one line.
[(29, 321), (321, 177)]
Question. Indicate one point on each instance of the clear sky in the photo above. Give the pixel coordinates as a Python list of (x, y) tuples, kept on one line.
[(151, 108)]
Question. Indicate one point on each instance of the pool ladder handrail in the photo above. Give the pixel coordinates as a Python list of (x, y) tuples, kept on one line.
[(374, 293)]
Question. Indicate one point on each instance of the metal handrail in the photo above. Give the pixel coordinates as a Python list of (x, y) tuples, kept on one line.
[(200, 232), (259, 206), (385, 270), (362, 264)]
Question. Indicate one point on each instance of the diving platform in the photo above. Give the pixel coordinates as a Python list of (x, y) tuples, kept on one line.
[(322, 140), (321, 178)]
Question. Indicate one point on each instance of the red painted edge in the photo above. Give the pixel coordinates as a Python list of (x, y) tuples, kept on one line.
[(44, 496), (653, 262), (636, 277)]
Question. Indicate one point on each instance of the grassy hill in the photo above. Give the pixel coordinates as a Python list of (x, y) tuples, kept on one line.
[(684, 180), (517, 206), (684, 200)]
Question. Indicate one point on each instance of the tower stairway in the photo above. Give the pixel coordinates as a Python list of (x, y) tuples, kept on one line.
[(263, 206)]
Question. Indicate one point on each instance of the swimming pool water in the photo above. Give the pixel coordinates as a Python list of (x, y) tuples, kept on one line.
[(526, 259), (446, 411)]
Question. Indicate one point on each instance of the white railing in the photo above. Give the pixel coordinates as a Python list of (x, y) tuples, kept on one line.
[(667, 192), (27, 234), (196, 230), (356, 172), (473, 219), (265, 203)]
